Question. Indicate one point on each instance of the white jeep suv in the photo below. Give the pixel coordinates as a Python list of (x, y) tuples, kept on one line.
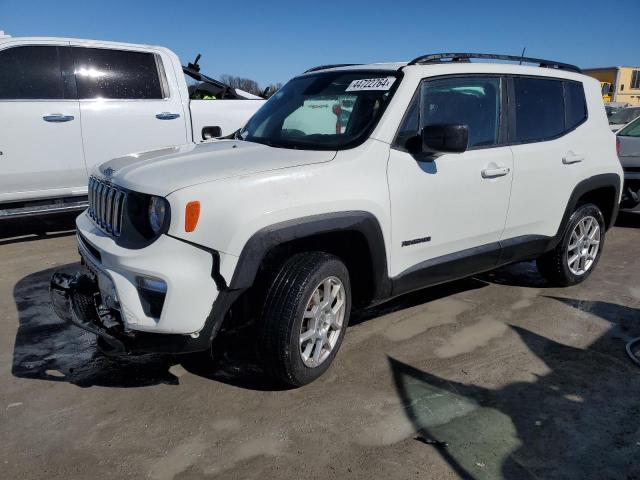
[(353, 184)]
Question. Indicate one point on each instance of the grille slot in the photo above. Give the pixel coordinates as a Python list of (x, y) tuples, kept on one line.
[(106, 206)]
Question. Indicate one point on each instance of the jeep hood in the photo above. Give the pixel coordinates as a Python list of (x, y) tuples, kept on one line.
[(160, 172)]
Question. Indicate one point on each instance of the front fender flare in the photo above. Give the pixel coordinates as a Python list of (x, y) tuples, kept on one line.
[(271, 236)]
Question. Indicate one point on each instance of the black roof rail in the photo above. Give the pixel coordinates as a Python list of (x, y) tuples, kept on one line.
[(335, 65), (434, 58)]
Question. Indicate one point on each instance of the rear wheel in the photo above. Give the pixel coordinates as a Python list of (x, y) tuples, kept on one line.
[(305, 317), (577, 254)]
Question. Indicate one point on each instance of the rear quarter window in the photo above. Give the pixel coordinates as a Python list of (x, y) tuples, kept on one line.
[(575, 104)]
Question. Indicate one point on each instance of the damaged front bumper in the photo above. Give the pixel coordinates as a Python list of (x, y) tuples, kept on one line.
[(76, 299), (162, 298)]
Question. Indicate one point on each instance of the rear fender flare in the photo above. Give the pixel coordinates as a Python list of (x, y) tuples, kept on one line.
[(585, 186)]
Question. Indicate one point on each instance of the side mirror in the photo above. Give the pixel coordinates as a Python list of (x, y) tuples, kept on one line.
[(211, 132), (445, 138)]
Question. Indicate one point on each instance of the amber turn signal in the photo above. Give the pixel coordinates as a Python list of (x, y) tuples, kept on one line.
[(191, 216)]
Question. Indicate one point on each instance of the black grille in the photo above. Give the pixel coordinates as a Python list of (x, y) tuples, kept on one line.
[(106, 204)]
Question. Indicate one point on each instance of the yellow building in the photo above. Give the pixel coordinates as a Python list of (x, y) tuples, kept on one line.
[(623, 83)]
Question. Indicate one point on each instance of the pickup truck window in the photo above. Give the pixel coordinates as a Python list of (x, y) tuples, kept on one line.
[(117, 74), (30, 73), (324, 111)]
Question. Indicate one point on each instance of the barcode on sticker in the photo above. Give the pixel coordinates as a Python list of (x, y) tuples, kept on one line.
[(371, 84)]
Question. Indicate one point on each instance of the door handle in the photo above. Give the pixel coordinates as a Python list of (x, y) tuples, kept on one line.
[(572, 158), (495, 172), (167, 116), (57, 118)]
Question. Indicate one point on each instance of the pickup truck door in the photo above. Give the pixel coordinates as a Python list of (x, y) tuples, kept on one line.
[(448, 211), (40, 138), (129, 102)]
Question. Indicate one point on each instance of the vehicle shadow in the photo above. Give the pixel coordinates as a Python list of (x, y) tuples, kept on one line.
[(36, 228), (236, 361), (628, 220), (579, 420), (418, 297), (47, 348), (525, 274), (522, 274)]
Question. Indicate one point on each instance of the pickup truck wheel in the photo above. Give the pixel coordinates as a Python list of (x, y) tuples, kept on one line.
[(305, 317), (577, 254)]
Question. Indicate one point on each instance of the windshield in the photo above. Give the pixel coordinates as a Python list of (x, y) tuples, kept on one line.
[(323, 111), (624, 116), (631, 130)]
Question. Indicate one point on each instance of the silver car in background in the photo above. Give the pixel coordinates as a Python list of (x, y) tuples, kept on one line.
[(628, 142)]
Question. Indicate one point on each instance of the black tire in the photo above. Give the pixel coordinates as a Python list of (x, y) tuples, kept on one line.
[(553, 265), (282, 317)]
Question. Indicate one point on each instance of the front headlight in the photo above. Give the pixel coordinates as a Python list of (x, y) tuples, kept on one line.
[(157, 213)]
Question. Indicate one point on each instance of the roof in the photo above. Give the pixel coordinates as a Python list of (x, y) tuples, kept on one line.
[(497, 68), (9, 39), (389, 66), (457, 59)]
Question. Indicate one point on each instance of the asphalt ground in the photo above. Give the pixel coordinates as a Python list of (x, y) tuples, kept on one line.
[(495, 376)]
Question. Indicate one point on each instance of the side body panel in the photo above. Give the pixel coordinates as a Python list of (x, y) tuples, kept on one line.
[(546, 173), (446, 201), (234, 209)]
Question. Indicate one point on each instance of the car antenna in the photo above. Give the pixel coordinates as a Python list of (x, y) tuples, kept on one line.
[(194, 66), (522, 55)]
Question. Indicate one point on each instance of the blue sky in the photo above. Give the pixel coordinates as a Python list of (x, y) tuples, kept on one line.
[(272, 41)]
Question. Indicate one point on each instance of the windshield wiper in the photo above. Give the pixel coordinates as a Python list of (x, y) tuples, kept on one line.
[(273, 143)]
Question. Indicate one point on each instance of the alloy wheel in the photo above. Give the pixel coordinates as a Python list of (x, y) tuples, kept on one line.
[(584, 245), (322, 322)]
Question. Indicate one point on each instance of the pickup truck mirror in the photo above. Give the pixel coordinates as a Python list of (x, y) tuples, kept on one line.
[(445, 138), (211, 132)]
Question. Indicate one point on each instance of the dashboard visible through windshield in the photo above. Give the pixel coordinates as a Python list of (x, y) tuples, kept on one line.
[(323, 111)]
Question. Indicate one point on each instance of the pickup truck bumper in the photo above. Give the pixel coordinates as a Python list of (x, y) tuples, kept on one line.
[(161, 298)]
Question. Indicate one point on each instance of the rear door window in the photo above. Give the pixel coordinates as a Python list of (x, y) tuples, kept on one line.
[(539, 109), (31, 73), (117, 74)]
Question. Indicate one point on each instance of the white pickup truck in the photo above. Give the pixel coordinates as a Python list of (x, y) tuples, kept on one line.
[(67, 105)]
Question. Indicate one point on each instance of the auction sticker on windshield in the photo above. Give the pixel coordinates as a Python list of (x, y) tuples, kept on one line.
[(371, 84)]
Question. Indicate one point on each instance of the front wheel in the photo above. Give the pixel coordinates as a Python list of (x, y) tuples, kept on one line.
[(305, 317), (579, 250)]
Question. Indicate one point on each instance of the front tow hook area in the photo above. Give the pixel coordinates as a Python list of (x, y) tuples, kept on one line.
[(76, 299)]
